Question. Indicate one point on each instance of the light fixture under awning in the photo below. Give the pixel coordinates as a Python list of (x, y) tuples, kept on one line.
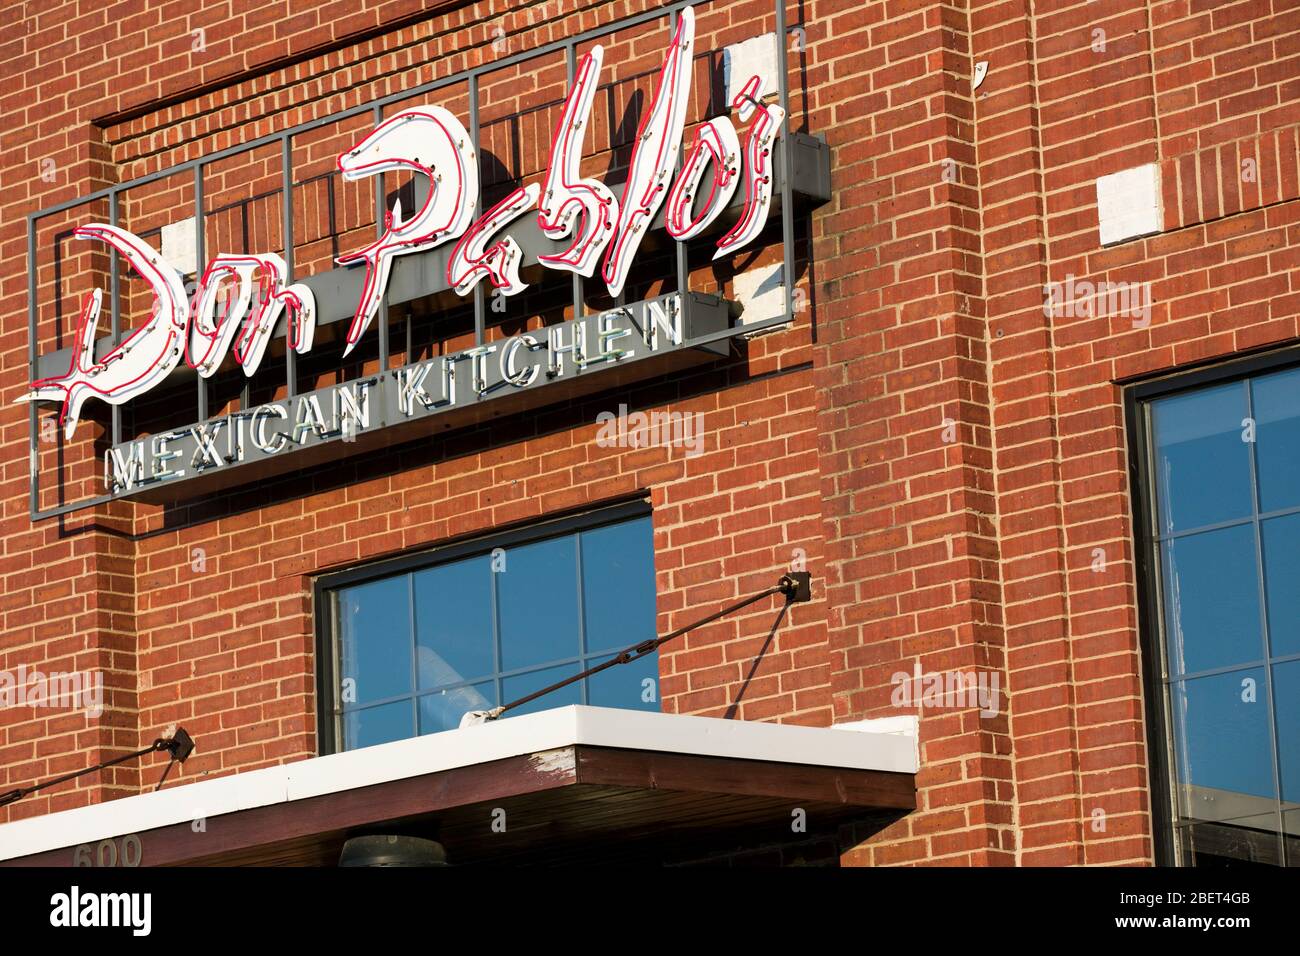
[(573, 784)]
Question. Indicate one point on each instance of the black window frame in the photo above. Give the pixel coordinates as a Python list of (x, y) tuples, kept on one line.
[(1137, 399), (327, 643)]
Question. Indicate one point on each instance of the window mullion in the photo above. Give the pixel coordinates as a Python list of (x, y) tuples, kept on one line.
[(1174, 751), (413, 633), (582, 624), (496, 631), (1265, 636)]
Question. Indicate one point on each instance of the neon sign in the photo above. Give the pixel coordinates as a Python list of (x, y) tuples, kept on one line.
[(429, 141)]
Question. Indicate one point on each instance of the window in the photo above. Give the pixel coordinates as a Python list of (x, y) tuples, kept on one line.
[(415, 644), (1220, 540)]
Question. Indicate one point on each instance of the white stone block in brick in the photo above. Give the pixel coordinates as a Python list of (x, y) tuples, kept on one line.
[(755, 56), (761, 292), (1129, 204), (178, 246)]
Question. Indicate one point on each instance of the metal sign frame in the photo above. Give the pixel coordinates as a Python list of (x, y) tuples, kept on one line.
[(784, 163)]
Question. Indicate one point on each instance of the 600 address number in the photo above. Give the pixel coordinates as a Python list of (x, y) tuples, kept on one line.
[(125, 851)]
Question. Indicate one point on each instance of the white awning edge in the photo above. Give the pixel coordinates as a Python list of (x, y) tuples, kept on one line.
[(886, 750)]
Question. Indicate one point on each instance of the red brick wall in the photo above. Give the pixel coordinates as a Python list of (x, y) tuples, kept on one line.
[(214, 625), (948, 458), (912, 554)]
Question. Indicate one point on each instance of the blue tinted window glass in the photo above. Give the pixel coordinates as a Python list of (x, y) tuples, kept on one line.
[(537, 597), (1225, 760), (375, 632), (1286, 688), (1281, 543), (435, 643), (443, 709), (1276, 402), (618, 585), (521, 685), (377, 725), (1202, 464), (1212, 600), (453, 622), (626, 685)]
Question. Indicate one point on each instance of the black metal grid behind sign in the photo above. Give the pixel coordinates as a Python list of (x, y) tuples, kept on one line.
[(376, 107)]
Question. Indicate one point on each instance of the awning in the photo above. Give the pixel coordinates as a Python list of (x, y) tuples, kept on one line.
[(569, 785)]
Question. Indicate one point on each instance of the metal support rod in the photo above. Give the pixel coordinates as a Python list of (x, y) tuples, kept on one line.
[(246, 390), (480, 306), (286, 213), (787, 165), (33, 429), (571, 62), (796, 586), (201, 383), (180, 746), (683, 269), (381, 212), (115, 308)]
